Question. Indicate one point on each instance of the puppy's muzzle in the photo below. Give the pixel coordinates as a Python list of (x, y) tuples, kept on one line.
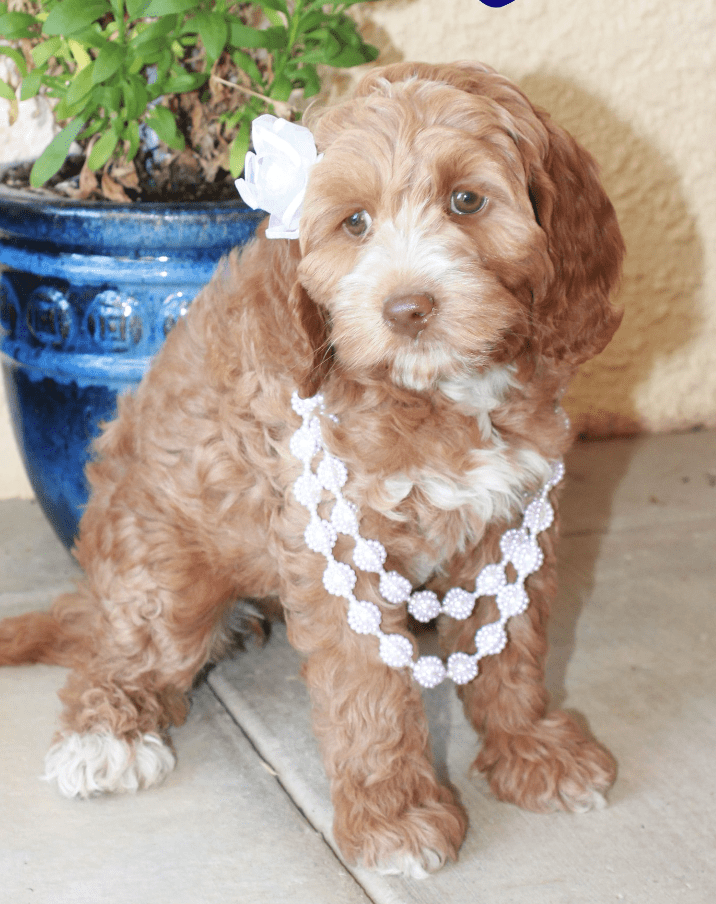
[(408, 314)]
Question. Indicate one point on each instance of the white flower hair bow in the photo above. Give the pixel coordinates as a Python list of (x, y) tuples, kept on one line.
[(276, 175)]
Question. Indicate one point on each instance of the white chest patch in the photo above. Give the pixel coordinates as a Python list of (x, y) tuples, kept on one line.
[(494, 485)]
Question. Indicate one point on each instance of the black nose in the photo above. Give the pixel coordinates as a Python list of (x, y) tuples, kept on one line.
[(408, 314)]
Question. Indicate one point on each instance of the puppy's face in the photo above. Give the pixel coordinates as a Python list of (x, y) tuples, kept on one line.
[(419, 239)]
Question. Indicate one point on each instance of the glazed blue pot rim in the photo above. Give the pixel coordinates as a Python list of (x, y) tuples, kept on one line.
[(36, 223)]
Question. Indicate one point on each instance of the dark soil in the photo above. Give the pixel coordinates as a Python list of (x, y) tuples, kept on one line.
[(198, 173), (178, 178)]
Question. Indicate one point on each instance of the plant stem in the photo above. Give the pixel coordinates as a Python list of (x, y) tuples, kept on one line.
[(280, 106), (121, 28), (292, 35)]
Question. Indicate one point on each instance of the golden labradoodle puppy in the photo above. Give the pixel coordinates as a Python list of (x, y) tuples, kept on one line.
[(364, 426)]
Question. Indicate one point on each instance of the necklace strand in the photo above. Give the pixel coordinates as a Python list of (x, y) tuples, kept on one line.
[(519, 548)]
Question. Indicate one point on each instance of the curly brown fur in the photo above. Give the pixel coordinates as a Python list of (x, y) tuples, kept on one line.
[(445, 428)]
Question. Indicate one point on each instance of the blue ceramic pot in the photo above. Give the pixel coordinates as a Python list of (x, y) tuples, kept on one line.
[(88, 294)]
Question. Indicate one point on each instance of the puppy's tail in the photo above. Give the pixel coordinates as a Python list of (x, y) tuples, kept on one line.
[(56, 637)]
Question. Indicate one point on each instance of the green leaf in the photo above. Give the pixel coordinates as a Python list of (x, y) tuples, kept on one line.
[(242, 37), (14, 26), (83, 107), (281, 88), (136, 97), (279, 6), (344, 29), (109, 60), (148, 54), (310, 21), (152, 31), (239, 147), (81, 57), (17, 58), (181, 82), (170, 7), (164, 62), (54, 154), (96, 125), (352, 56), (309, 78), (102, 150), (137, 8), (131, 136), (80, 86), (330, 45), (7, 92), (109, 97), (214, 32), (31, 83), (244, 61), (71, 16), (41, 53), (162, 121)]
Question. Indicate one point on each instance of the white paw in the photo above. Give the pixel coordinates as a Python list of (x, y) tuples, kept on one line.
[(412, 866), (579, 800), (98, 763)]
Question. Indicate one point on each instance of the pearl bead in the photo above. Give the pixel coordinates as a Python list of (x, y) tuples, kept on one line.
[(512, 600), (339, 578), (307, 490), (304, 407), (364, 617), (490, 640), (332, 473), (369, 555), (424, 605), (344, 517), (539, 514), (394, 587), (306, 441), (461, 667), (490, 580), (429, 671), (320, 536), (396, 650), (458, 603)]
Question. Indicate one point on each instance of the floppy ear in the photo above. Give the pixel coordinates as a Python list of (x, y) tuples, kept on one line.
[(314, 352), (573, 319)]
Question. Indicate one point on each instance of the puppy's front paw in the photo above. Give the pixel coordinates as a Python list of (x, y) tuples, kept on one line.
[(414, 844), (412, 866), (84, 765), (553, 767)]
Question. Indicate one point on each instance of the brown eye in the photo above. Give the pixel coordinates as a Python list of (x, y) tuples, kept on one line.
[(465, 202), (357, 223)]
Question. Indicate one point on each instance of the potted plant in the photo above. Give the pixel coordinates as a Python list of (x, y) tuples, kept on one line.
[(128, 210)]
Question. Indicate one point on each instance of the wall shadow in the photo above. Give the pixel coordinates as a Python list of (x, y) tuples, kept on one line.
[(663, 270), (595, 468)]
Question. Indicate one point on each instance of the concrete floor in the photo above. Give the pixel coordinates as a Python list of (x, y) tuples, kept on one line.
[(246, 818)]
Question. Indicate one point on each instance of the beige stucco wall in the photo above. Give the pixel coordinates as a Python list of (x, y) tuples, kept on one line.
[(635, 81)]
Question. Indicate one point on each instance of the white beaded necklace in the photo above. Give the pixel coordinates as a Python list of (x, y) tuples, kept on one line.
[(519, 548)]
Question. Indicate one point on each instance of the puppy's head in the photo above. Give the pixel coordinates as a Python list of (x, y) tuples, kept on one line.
[(451, 226)]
